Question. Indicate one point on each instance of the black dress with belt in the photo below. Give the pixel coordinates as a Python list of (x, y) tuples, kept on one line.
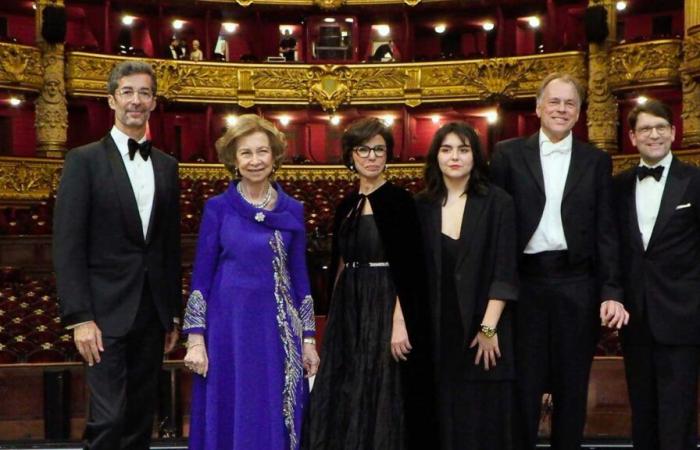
[(357, 400)]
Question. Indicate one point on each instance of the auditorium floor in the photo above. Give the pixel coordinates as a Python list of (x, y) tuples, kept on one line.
[(608, 444)]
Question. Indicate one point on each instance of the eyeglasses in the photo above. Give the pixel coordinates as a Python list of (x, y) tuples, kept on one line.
[(662, 130), (364, 150), (130, 94)]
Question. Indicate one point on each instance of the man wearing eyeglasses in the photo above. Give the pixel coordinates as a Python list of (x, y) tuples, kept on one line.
[(116, 253), (658, 205), (568, 261)]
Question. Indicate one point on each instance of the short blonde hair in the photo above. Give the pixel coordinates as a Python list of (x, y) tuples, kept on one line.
[(566, 78), (227, 144)]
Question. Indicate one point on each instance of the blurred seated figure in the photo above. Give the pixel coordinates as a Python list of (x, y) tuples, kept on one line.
[(196, 54), (288, 45)]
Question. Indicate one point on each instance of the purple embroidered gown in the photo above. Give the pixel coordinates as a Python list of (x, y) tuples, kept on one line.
[(251, 300)]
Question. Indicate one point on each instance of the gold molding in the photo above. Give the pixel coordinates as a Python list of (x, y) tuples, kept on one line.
[(30, 180), (185, 81), (325, 4), (20, 67), (332, 86), (645, 64)]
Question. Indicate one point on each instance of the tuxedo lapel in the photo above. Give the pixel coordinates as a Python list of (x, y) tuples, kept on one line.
[(531, 154), (159, 194), (630, 203), (125, 192), (470, 222), (577, 167), (673, 192)]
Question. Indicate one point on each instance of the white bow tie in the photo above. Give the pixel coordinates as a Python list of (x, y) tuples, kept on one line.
[(555, 148)]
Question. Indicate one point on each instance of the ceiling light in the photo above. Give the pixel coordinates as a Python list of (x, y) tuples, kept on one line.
[(349, 20), (488, 26), (329, 20), (335, 120), (284, 120), (440, 28), (492, 117), (435, 119), (642, 100), (14, 101), (128, 20), (286, 29), (534, 21), (383, 30), (388, 120), (178, 24), (621, 5), (229, 27)]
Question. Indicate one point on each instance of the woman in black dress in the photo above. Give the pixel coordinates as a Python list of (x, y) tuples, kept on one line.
[(469, 234), (373, 388)]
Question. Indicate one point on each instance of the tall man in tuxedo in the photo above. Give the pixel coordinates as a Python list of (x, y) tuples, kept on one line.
[(568, 260), (116, 253), (658, 205)]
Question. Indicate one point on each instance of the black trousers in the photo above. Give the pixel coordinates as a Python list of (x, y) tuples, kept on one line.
[(662, 381), (124, 385), (557, 327)]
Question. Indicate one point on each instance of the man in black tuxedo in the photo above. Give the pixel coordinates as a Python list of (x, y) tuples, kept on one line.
[(116, 253), (568, 260), (174, 50), (658, 205)]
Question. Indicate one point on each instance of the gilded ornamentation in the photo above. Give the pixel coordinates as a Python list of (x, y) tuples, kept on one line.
[(496, 78), (51, 121), (28, 179), (20, 66), (602, 111), (331, 86), (691, 110), (329, 4), (183, 81), (650, 63)]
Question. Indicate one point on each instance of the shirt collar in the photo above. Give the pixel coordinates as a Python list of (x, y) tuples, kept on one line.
[(564, 143), (121, 139)]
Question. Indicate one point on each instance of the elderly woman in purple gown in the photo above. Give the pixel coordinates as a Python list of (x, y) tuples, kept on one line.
[(250, 319)]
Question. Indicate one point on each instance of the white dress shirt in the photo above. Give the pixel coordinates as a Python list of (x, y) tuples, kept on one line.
[(140, 175), (555, 158), (648, 198)]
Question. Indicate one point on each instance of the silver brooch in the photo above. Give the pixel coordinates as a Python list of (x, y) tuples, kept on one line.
[(259, 216)]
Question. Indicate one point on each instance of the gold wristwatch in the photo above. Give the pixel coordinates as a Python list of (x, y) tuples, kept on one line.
[(488, 331)]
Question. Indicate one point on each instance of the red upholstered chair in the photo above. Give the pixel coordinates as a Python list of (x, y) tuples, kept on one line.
[(9, 274), (20, 346), (7, 356), (64, 343), (46, 353)]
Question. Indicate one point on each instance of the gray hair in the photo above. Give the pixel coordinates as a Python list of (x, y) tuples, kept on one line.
[(566, 78), (126, 68)]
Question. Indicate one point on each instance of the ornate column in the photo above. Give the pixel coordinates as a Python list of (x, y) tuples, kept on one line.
[(688, 72), (602, 113), (51, 111)]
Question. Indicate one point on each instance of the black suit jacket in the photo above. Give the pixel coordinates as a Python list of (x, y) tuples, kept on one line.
[(662, 284), (586, 210), (486, 269), (100, 256)]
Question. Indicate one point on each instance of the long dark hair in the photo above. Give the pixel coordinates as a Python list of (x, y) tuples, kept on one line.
[(478, 179)]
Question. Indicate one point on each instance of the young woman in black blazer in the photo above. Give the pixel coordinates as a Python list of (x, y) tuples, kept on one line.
[(468, 228)]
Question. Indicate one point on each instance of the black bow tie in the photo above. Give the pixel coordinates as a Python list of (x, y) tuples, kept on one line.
[(144, 148), (644, 171)]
